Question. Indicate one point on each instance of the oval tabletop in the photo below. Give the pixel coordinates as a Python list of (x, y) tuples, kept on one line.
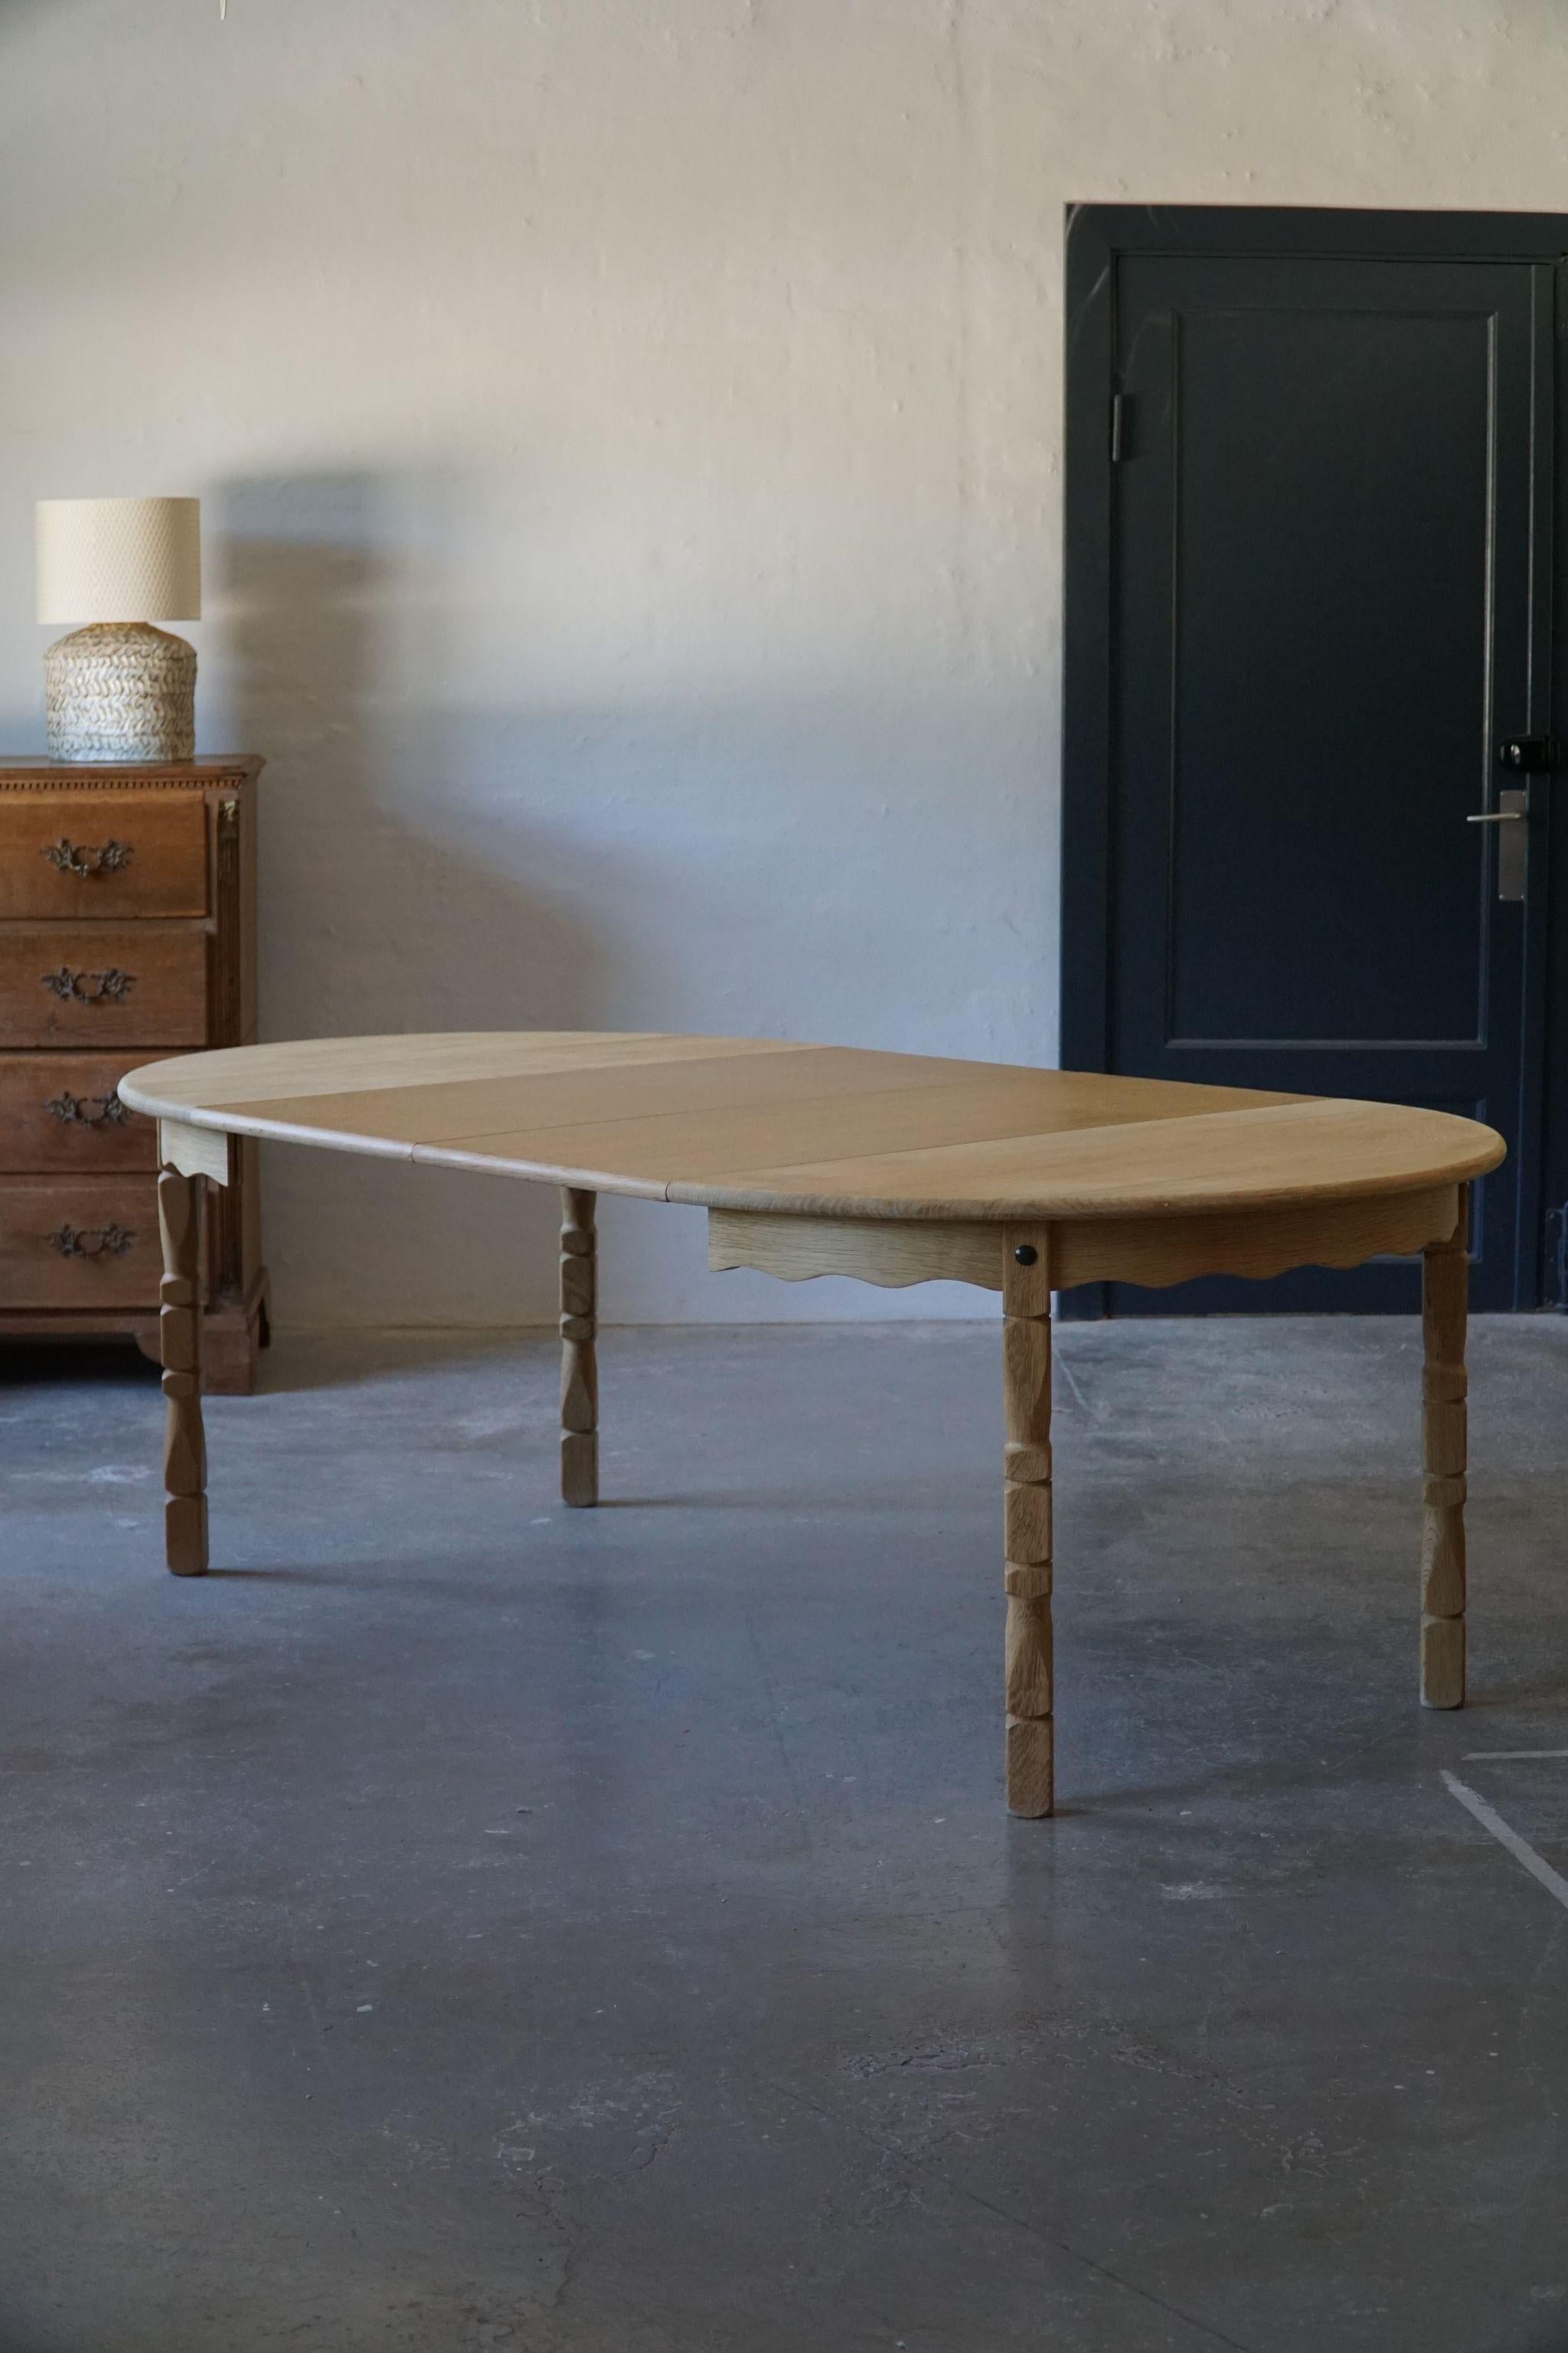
[(822, 1131)]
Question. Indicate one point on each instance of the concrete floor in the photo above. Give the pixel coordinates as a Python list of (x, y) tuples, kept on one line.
[(464, 1926)]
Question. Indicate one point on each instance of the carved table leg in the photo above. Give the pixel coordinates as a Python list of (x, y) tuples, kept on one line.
[(1026, 1510), (579, 1372), (180, 1341), (1444, 1300)]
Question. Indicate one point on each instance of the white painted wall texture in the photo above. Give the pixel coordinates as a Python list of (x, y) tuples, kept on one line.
[(628, 438)]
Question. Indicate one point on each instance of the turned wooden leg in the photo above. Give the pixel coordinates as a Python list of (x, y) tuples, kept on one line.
[(1444, 1300), (579, 1373), (1026, 1514), (180, 1347)]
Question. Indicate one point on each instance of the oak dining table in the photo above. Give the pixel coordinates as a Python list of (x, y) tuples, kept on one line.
[(893, 1169)]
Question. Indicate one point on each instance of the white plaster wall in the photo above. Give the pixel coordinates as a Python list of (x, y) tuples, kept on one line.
[(628, 435)]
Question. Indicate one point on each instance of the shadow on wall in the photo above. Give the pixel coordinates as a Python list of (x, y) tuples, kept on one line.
[(374, 917), (804, 862)]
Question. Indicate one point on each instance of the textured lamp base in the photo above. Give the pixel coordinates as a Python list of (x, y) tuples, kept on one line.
[(120, 691)]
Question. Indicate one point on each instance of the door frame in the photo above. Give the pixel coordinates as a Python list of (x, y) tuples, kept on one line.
[(1098, 237)]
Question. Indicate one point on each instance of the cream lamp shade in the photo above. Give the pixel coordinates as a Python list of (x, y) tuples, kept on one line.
[(118, 560), (118, 688)]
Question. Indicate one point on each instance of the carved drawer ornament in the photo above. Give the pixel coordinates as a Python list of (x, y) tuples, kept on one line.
[(112, 988), (91, 1241), (80, 1111), (110, 857)]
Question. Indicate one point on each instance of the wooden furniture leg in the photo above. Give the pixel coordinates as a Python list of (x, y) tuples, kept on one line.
[(1445, 1300), (180, 1344), (579, 1371), (1026, 1514)]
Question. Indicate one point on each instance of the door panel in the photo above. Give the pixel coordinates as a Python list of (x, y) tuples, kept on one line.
[(1325, 589)]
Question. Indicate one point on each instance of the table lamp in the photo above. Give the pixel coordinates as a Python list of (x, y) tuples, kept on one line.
[(119, 689)]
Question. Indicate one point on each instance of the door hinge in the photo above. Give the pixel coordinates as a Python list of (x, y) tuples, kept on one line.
[(1121, 423)]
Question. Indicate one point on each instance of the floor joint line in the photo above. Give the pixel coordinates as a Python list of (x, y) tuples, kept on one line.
[(1506, 1836)]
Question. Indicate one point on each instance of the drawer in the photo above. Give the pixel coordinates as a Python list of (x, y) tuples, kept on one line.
[(80, 1243), (103, 985), (104, 854), (59, 1113)]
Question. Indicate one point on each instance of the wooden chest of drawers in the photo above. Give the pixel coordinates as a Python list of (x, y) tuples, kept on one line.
[(127, 932)]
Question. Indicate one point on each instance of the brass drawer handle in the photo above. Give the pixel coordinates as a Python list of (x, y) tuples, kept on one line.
[(67, 858), (91, 1241), (77, 1110), (111, 988)]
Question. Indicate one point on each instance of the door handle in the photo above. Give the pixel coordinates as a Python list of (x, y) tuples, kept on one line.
[(1512, 847)]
